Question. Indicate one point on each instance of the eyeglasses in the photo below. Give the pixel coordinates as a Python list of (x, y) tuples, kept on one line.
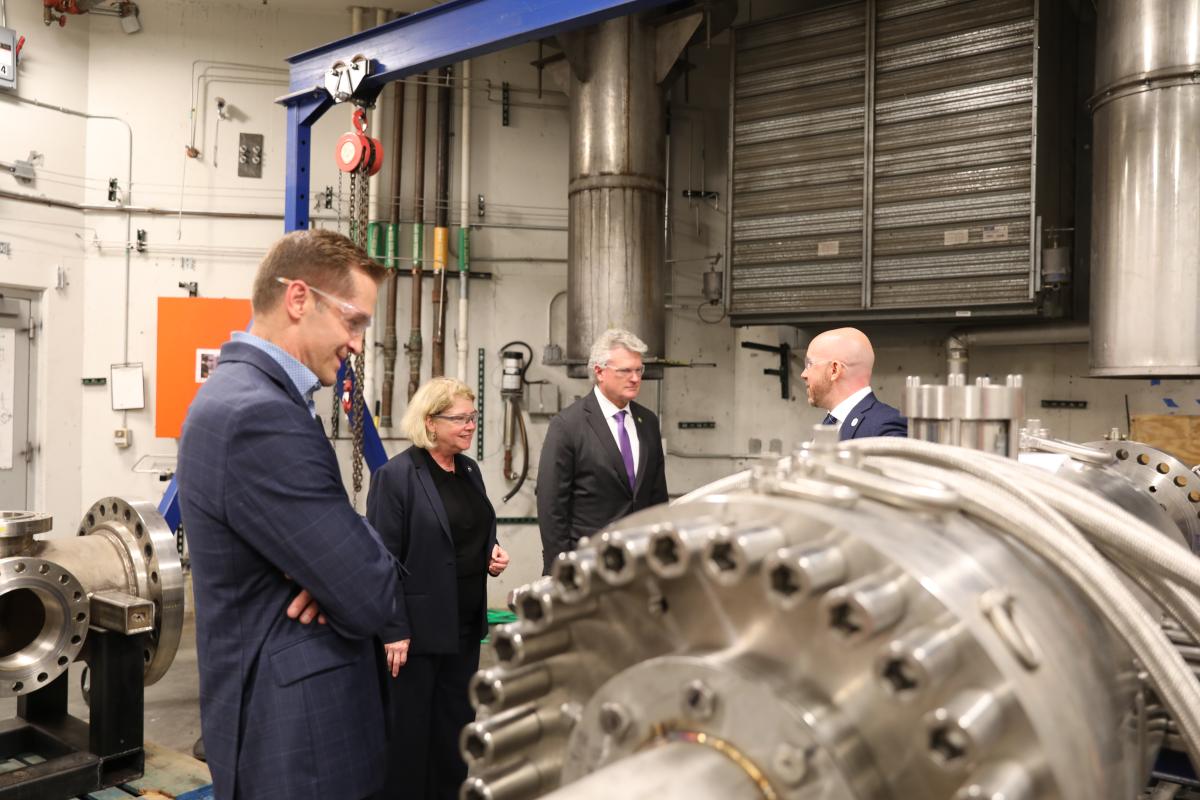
[(357, 321), (459, 419), (625, 372), (809, 363)]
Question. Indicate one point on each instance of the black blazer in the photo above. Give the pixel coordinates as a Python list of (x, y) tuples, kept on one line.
[(582, 485), (873, 417), (404, 505)]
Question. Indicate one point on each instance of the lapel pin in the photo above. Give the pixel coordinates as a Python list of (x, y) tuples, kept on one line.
[(854, 422)]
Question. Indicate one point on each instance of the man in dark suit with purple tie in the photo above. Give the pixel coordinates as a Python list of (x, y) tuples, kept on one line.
[(837, 370), (602, 458)]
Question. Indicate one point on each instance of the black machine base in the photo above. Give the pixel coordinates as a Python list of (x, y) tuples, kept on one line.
[(65, 756)]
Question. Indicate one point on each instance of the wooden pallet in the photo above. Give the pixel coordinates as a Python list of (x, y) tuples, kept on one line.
[(170, 775)]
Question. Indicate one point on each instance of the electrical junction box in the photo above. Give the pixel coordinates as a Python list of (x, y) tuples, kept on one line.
[(542, 399), (8, 58), (122, 437)]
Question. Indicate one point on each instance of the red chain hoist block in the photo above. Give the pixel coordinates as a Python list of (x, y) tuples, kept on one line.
[(356, 148)]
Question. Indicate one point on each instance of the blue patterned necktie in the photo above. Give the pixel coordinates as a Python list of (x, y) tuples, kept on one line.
[(830, 419), (626, 447)]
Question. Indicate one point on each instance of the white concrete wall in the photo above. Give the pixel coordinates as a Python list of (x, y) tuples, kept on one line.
[(521, 170), (42, 239)]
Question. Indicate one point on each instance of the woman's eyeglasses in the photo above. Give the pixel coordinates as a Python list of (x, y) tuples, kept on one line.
[(459, 419)]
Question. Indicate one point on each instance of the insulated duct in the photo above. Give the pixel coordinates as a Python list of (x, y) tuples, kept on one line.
[(616, 189), (1146, 200)]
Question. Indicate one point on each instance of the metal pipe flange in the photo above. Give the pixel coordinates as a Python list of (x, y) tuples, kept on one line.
[(44, 616), (153, 570)]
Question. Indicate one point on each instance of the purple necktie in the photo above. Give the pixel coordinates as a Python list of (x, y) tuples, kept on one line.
[(626, 447)]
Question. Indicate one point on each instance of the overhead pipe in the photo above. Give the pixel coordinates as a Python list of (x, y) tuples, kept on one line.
[(390, 343), (441, 230), (464, 232), (959, 342), (415, 344)]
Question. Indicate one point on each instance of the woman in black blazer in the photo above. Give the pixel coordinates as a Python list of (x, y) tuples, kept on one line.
[(429, 505)]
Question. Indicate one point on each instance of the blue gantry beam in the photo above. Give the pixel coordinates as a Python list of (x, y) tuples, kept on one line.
[(451, 32), (445, 34)]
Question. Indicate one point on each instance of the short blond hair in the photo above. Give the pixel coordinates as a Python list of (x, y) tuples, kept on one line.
[(434, 397)]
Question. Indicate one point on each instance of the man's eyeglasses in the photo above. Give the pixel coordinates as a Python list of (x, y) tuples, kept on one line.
[(357, 321), (809, 363), (459, 419), (625, 372)]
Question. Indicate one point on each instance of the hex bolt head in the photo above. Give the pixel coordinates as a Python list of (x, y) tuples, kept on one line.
[(790, 764), (699, 700)]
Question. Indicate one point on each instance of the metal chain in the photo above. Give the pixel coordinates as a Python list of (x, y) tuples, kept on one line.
[(360, 372), (359, 208), (352, 216)]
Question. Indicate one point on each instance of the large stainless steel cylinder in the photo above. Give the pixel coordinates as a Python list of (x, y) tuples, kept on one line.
[(616, 190), (1145, 249), (838, 626), (121, 572)]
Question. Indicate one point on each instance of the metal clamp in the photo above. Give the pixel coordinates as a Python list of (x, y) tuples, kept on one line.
[(806, 489), (894, 491), (343, 79), (997, 606), (1079, 452)]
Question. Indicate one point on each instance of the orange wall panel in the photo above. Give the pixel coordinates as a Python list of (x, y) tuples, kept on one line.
[(187, 325)]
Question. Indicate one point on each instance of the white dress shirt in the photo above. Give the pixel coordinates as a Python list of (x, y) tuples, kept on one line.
[(609, 410), (843, 409)]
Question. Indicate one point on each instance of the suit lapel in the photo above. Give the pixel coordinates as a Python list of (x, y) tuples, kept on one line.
[(855, 420), (431, 492), (608, 444)]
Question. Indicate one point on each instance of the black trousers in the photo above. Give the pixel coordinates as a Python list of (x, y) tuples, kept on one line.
[(428, 708)]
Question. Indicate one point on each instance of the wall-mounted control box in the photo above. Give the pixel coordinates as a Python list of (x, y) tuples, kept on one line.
[(8, 58)]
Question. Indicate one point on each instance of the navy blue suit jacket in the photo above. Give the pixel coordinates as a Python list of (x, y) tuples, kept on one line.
[(287, 710), (873, 417), (404, 505)]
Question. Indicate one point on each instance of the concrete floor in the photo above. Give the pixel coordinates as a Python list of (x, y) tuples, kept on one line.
[(172, 706)]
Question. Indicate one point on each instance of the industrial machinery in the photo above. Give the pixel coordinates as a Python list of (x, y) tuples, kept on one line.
[(878, 618), (111, 596)]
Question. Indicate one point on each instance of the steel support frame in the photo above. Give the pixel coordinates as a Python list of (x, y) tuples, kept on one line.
[(74, 757), (445, 34)]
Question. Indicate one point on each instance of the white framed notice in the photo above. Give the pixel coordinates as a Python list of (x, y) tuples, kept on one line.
[(128, 387)]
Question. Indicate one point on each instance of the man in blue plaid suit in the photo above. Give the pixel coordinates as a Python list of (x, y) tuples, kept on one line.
[(289, 709)]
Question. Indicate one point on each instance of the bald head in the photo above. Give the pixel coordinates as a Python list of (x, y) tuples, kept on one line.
[(838, 363)]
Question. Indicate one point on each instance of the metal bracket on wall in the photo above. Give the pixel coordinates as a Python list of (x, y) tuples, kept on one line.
[(250, 155), (784, 351)]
